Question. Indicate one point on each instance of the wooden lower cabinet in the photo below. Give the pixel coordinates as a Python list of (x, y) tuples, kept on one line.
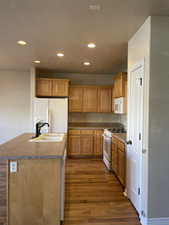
[(119, 160), (74, 145), (98, 142), (121, 166), (114, 158), (85, 143)]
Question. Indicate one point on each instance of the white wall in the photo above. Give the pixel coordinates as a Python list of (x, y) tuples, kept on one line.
[(159, 119), (152, 43), (14, 104)]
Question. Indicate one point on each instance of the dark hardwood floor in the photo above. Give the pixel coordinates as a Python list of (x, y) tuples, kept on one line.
[(94, 196)]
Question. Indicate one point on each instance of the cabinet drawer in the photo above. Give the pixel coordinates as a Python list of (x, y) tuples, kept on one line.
[(74, 131), (87, 132)]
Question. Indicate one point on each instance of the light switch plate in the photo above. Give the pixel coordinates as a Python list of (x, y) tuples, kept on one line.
[(13, 166)]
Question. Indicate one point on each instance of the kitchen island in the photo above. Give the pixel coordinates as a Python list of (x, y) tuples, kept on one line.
[(34, 181)]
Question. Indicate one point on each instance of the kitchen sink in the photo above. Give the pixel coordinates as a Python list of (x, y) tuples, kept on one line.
[(49, 137)]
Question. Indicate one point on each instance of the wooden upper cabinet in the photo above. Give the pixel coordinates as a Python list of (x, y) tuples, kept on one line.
[(52, 87), (60, 87), (112, 101), (43, 87), (90, 99), (119, 85), (105, 99), (76, 99)]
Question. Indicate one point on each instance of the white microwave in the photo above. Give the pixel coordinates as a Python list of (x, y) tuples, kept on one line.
[(119, 105)]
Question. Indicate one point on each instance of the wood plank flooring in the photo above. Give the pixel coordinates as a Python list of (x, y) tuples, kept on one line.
[(3, 192), (94, 196)]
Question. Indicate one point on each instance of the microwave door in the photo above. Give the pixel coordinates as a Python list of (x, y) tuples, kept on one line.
[(116, 108)]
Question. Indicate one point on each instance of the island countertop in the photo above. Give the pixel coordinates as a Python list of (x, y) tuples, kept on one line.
[(21, 148)]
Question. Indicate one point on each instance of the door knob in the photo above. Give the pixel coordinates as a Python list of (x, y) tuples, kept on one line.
[(129, 142)]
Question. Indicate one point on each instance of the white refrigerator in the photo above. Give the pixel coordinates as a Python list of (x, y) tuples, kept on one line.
[(53, 111)]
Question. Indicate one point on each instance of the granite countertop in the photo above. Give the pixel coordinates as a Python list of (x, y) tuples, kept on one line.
[(93, 125), (21, 148), (121, 136)]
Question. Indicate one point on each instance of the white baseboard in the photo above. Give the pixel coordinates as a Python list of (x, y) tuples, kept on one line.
[(155, 221)]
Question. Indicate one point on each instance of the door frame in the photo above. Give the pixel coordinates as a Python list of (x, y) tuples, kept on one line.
[(141, 171)]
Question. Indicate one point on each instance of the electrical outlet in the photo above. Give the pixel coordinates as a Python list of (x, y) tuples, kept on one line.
[(13, 166)]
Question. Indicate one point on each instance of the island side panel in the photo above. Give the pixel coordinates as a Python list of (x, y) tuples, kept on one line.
[(3, 192), (34, 192)]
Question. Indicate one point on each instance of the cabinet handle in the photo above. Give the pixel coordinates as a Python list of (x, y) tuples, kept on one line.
[(129, 142)]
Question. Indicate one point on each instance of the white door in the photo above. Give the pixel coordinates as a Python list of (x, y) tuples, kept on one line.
[(58, 115), (134, 134)]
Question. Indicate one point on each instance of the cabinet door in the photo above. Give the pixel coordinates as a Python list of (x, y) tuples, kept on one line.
[(119, 85), (34, 193), (43, 87), (86, 145), (74, 145), (75, 99), (112, 102), (60, 87), (105, 99), (90, 99), (98, 143), (121, 166), (114, 158)]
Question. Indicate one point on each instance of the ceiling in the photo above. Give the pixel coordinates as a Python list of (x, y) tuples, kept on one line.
[(49, 26)]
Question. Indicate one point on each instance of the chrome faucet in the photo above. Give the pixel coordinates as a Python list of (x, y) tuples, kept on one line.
[(39, 125)]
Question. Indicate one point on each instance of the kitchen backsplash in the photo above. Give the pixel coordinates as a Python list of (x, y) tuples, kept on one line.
[(123, 120), (94, 117)]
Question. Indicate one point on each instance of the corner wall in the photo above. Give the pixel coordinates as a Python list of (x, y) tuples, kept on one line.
[(138, 50), (159, 119), (151, 42), (14, 104)]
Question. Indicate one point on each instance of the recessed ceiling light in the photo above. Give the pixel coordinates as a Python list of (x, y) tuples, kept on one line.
[(95, 7), (60, 54), (22, 42), (36, 61), (91, 45), (86, 63)]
